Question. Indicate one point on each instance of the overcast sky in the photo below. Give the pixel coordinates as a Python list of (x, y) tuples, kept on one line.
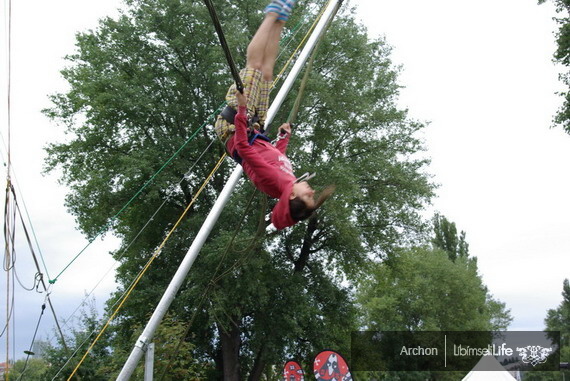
[(479, 72)]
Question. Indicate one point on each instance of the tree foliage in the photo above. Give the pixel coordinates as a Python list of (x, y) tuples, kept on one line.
[(558, 319), (434, 288), (446, 238), (32, 369), (140, 85), (420, 289), (63, 357), (562, 56)]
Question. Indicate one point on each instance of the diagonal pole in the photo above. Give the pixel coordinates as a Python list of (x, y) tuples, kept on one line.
[(146, 337)]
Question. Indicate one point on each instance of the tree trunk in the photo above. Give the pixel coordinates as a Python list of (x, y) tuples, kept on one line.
[(258, 366), (230, 343), (217, 356), (301, 262)]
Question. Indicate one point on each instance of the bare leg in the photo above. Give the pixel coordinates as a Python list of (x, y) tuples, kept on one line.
[(256, 47), (271, 50), (264, 46)]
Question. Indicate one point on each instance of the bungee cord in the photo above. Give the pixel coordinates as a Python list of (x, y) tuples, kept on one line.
[(29, 351), (224, 44)]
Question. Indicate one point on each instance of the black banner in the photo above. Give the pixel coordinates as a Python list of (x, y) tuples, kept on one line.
[(455, 351)]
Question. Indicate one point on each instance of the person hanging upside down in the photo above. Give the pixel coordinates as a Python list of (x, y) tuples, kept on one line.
[(267, 166)]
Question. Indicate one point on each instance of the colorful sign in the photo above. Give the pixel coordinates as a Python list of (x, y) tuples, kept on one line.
[(329, 365)]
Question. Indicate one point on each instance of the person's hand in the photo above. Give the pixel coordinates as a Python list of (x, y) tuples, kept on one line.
[(241, 99), (285, 127)]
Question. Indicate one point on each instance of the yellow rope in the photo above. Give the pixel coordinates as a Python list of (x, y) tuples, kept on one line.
[(143, 271)]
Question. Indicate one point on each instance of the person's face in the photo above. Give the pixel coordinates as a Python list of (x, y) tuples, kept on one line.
[(304, 191)]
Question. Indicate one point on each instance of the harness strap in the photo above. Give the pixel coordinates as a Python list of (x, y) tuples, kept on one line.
[(251, 137), (229, 114)]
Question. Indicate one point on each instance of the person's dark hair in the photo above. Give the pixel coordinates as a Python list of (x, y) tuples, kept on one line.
[(299, 209)]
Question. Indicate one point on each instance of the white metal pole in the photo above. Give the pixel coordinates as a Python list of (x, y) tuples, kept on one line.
[(178, 279), (149, 363), (329, 12)]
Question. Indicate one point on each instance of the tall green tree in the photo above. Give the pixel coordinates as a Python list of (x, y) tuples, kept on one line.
[(446, 238), (558, 319), (562, 56), (434, 288), (420, 290), (139, 86), (32, 369)]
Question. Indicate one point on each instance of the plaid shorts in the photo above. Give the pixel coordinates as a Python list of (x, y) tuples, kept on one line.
[(257, 92)]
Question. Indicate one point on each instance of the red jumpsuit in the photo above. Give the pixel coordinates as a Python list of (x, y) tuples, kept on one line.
[(267, 167)]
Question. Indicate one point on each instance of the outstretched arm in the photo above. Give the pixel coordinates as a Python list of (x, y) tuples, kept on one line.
[(245, 151), (285, 133), (240, 122)]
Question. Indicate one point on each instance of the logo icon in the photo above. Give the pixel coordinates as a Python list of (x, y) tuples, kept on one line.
[(534, 354), (331, 366), (293, 372)]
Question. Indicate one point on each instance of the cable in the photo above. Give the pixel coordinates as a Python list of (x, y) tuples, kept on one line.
[(8, 263), (39, 275), (34, 285), (10, 256), (4, 330), (153, 257), (138, 234), (107, 226), (29, 352), (9, 231), (9, 111)]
